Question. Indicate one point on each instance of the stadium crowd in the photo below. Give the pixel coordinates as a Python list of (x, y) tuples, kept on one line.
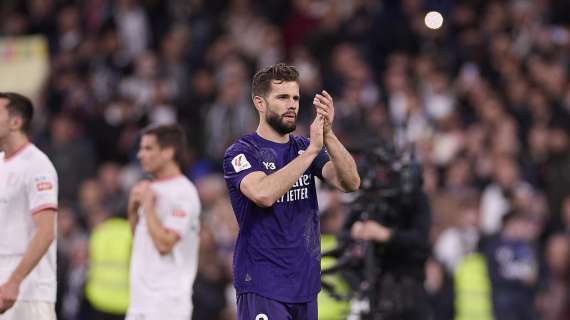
[(485, 100)]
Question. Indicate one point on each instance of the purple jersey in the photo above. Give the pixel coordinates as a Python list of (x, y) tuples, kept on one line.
[(277, 253)]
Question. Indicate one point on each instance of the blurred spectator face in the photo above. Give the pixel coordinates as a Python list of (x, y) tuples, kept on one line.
[(96, 217), (62, 129), (459, 173), (40, 8), (146, 66), (538, 141), (109, 42), (14, 24), (517, 91), (203, 83), (109, 178), (90, 194), (175, 43), (152, 156), (233, 91), (519, 228), (558, 141), (68, 19), (469, 217), (506, 172), (65, 221), (210, 189), (557, 255), (282, 103), (505, 140)]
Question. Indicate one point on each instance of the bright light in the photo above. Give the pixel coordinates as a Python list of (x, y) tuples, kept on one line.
[(433, 20)]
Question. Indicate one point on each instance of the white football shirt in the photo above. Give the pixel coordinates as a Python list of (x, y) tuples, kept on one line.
[(162, 284), (28, 185)]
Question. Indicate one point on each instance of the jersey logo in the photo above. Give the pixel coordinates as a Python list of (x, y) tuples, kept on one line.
[(240, 163), (269, 165), (44, 185), (261, 316), (178, 213)]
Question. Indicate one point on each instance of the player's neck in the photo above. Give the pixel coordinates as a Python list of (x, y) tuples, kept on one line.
[(167, 172), (13, 143), (265, 131)]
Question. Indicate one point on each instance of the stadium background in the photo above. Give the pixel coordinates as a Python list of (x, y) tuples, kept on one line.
[(486, 99)]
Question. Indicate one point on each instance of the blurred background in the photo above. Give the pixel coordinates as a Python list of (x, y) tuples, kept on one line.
[(485, 98)]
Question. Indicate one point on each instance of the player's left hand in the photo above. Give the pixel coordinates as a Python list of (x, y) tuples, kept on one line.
[(324, 105), (9, 292)]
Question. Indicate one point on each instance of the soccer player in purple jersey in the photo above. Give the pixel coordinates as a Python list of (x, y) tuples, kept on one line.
[(270, 175)]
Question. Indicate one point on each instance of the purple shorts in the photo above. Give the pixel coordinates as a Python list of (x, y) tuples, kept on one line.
[(251, 306)]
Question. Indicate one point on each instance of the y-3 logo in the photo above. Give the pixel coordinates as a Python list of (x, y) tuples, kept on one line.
[(269, 165)]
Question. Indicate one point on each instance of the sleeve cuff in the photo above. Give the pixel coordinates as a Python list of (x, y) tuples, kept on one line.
[(40, 208)]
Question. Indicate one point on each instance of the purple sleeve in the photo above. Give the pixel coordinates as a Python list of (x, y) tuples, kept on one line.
[(319, 162), (238, 163)]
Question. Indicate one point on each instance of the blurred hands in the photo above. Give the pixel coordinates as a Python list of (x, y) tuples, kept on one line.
[(370, 230)]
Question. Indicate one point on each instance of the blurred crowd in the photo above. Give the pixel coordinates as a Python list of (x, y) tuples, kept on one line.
[(485, 100)]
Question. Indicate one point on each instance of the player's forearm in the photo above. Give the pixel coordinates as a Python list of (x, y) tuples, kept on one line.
[(133, 217), (344, 165), (37, 248), (163, 240), (271, 188)]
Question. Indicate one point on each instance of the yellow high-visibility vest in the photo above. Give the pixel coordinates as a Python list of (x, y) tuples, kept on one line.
[(473, 300), (329, 308), (107, 285)]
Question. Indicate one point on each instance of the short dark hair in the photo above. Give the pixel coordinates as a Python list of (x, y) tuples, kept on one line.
[(280, 72), (21, 106), (170, 136)]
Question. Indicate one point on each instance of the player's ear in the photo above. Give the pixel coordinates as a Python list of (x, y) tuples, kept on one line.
[(259, 103), (169, 153), (16, 122)]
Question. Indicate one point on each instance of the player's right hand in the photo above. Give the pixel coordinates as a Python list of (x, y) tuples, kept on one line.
[(137, 193), (317, 133)]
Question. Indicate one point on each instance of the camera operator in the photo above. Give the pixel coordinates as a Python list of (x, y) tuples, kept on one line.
[(398, 228)]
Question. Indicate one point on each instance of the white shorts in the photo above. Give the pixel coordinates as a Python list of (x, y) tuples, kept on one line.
[(26, 310)]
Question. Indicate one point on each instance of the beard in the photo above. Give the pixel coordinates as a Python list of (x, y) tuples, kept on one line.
[(277, 122)]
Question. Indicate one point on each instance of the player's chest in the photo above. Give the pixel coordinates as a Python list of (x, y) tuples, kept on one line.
[(273, 160), (12, 183)]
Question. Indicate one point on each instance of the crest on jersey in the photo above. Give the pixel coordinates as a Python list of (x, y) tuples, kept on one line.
[(240, 163)]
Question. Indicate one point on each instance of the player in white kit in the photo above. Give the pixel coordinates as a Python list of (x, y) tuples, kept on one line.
[(163, 214), (28, 206)]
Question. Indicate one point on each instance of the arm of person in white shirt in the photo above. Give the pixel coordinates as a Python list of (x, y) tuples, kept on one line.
[(163, 238), (45, 221), (135, 198)]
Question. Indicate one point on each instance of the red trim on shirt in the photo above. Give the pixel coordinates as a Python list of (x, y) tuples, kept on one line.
[(18, 151), (44, 207), (167, 178), (178, 237)]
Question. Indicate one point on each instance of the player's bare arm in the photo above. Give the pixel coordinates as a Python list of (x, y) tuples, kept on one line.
[(163, 239), (45, 221), (264, 190), (341, 171)]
